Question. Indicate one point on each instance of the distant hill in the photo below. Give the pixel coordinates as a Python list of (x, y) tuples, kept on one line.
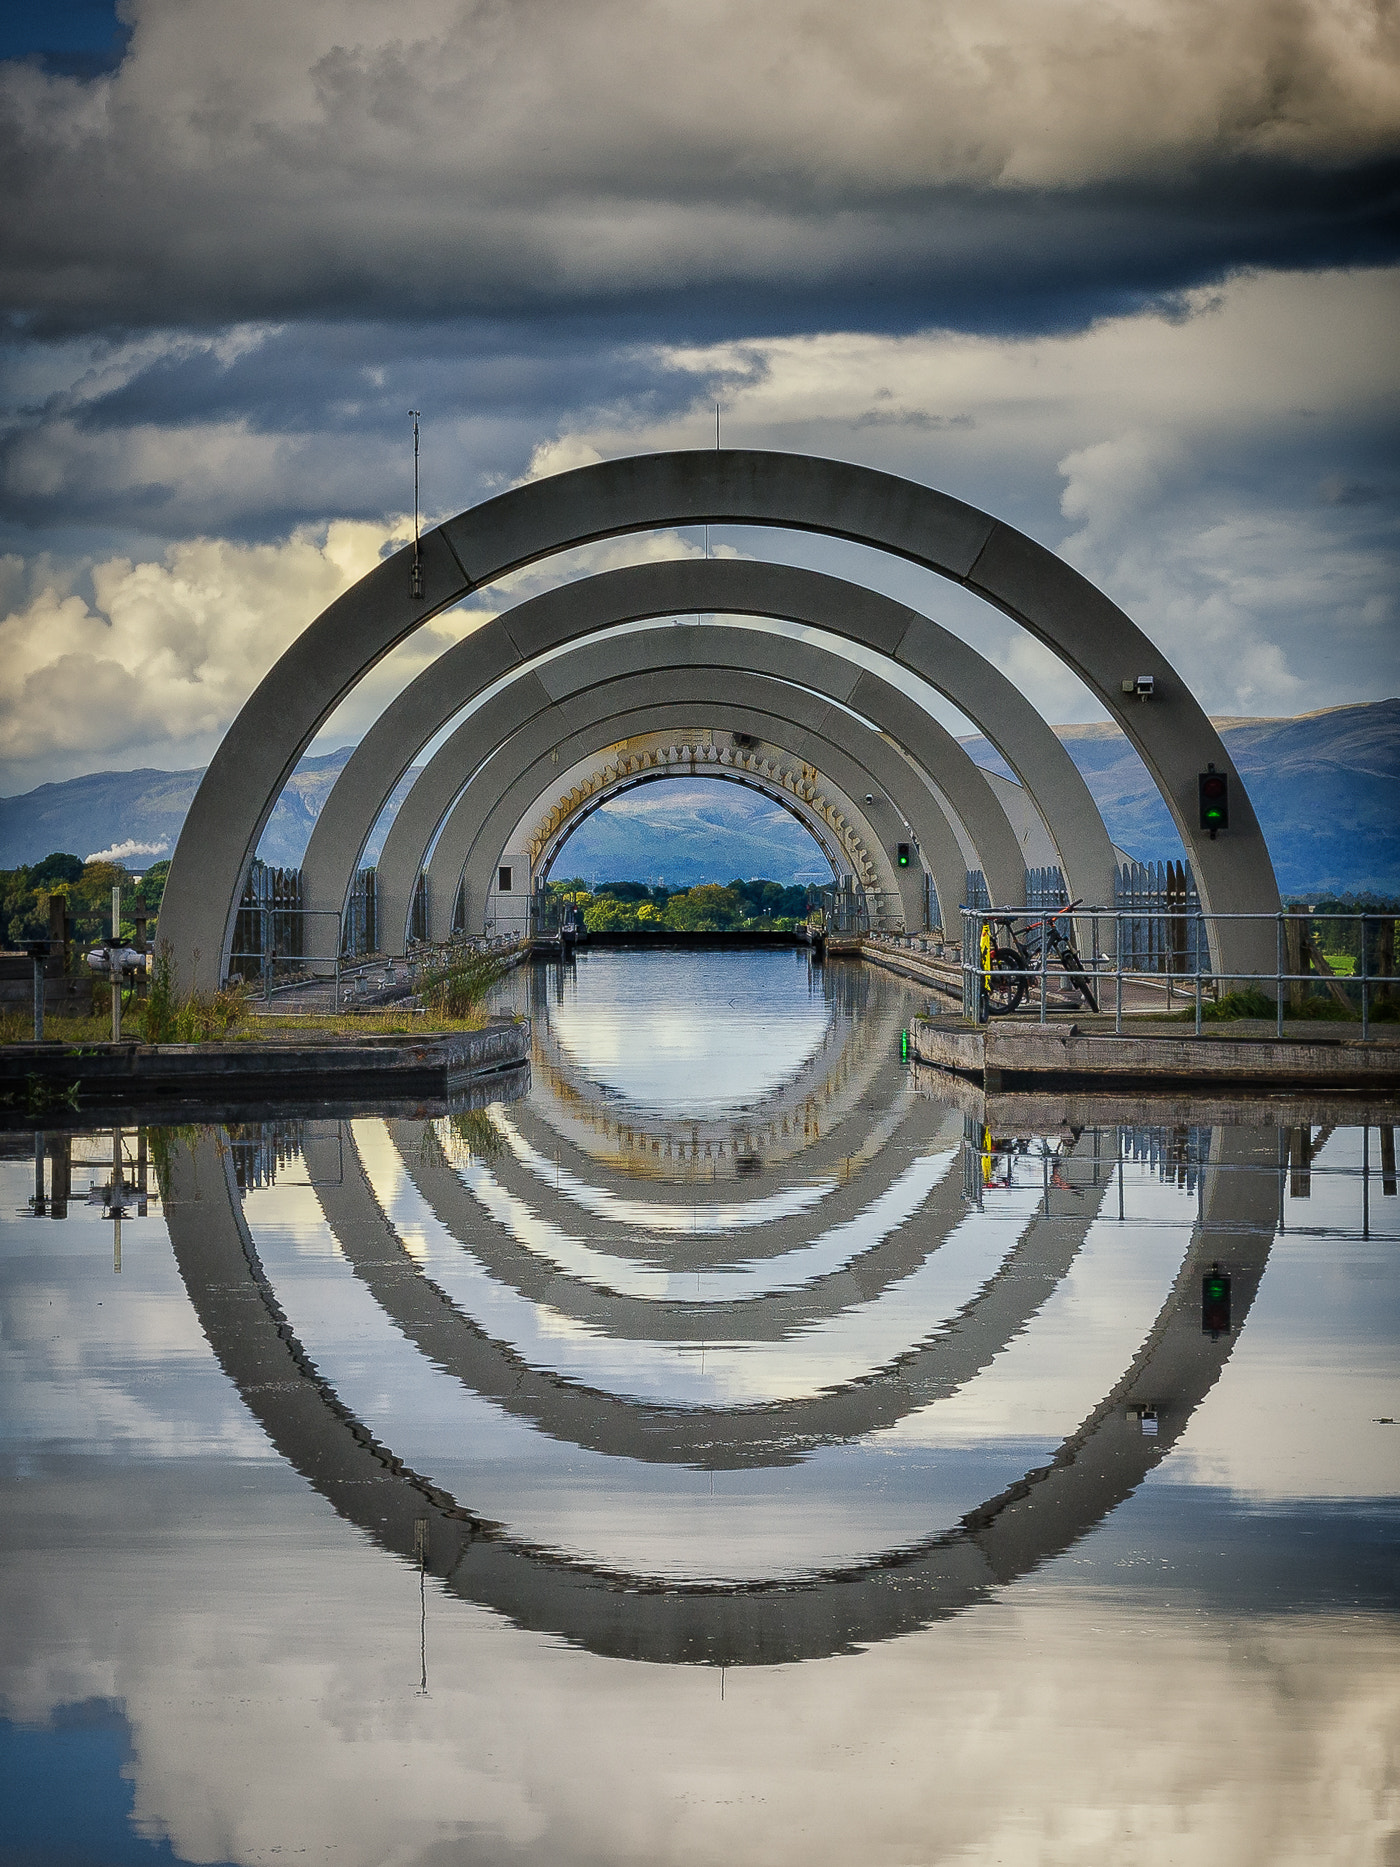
[(1326, 787), (111, 809)]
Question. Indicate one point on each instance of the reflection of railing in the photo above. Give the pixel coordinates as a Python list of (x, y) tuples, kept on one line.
[(1029, 966)]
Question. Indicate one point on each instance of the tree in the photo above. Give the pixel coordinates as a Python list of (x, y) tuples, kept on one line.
[(706, 909), (607, 915)]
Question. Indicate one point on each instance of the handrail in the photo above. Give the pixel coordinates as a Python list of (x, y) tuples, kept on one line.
[(1203, 975)]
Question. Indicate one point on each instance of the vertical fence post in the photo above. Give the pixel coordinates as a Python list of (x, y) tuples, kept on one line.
[(1200, 944), (1279, 985), (1118, 973), (1365, 982), (38, 993), (1044, 958)]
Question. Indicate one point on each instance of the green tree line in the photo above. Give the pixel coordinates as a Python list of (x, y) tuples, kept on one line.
[(710, 907), (87, 887)]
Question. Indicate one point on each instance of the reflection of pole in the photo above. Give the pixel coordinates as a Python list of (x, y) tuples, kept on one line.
[(142, 1189), (116, 1196), (420, 1550), (60, 1175), (38, 1173)]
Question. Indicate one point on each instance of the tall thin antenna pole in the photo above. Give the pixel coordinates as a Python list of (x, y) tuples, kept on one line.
[(415, 582)]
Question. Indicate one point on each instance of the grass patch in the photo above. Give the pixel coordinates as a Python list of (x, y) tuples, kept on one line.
[(390, 1023), (1256, 1005)]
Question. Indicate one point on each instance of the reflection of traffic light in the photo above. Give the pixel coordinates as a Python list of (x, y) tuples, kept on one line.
[(1214, 791), (1215, 1302), (902, 855)]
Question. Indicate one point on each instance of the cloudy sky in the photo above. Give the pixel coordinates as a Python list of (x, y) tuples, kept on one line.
[(1121, 271)]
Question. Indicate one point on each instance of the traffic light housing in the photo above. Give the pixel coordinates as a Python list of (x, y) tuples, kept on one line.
[(1213, 789), (901, 855), (1215, 1303)]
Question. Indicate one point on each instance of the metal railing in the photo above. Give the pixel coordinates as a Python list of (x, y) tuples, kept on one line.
[(1043, 971), (298, 967)]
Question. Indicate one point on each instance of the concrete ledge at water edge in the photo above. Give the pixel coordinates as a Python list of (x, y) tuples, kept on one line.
[(1008, 1051), (1040, 1107), (275, 1060)]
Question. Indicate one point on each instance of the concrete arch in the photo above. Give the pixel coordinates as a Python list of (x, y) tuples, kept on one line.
[(1045, 595), (736, 651), (895, 1592), (510, 789), (640, 592)]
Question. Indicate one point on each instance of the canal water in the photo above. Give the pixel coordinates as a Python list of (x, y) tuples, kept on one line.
[(722, 1447)]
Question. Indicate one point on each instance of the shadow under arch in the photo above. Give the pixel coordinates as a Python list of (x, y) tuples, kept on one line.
[(768, 1623)]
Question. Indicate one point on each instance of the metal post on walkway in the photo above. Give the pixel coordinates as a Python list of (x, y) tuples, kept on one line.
[(1044, 961), (38, 950), (114, 968), (1279, 985), (1200, 947)]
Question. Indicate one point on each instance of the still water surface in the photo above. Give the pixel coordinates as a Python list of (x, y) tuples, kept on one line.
[(727, 1451)]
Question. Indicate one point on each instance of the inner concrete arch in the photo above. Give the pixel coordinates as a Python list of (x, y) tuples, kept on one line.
[(554, 692), (1048, 597), (650, 591), (518, 781), (521, 782)]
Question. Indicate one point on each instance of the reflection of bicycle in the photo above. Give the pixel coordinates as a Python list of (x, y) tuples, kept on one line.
[(1006, 969), (999, 1157)]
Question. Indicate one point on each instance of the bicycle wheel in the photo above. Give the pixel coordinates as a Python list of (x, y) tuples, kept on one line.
[(1006, 987), (1074, 966)]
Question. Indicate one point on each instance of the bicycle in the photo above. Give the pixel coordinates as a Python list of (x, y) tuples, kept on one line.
[(1010, 967)]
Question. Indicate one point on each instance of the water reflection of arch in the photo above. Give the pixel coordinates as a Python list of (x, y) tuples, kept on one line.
[(724, 1223), (821, 1096), (714, 1438), (767, 1623), (770, 1315)]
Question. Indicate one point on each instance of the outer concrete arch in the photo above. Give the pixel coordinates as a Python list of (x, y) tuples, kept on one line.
[(1020, 577), (554, 691), (683, 586), (519, 782)]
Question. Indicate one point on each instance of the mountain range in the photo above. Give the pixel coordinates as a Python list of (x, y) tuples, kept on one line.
[(1326, 787)]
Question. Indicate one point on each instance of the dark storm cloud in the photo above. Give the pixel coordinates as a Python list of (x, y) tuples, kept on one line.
[(695, 173)]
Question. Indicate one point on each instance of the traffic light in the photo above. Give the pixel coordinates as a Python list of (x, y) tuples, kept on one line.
[(902, 855), (1214, 790), (1215, 1303)]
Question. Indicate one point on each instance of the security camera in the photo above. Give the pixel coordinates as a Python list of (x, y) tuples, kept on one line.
[(870, 797), (1144, 686)]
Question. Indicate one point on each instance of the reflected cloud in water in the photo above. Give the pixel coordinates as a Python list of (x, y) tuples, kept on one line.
[(793, 1466)]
